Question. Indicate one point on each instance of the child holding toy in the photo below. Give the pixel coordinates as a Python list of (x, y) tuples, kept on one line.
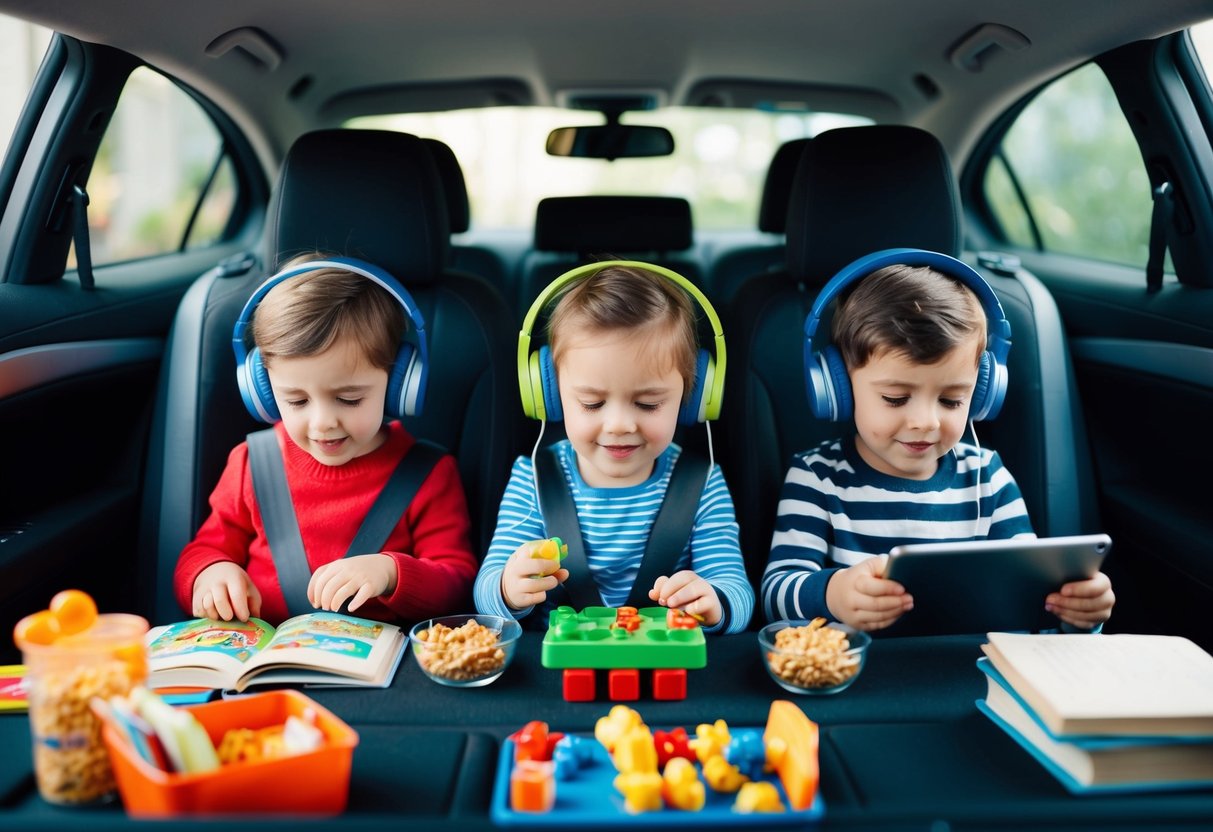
[(909, 358), (620, 367), (332, 369)]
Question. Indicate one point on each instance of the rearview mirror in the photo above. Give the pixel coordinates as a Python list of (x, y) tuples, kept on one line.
[(610, 141)]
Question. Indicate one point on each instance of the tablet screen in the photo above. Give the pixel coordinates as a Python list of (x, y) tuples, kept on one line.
[(988, 585)]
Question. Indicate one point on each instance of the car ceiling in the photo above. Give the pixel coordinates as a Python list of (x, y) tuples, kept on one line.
[(336, 59)]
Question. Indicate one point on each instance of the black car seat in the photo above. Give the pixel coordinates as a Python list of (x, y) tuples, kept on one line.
[(859, 190), (734, 266), (476, 260), (374, 195), (573, 230)]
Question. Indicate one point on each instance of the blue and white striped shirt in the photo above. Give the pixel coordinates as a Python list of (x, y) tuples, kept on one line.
[(835, 510), (615, 526)]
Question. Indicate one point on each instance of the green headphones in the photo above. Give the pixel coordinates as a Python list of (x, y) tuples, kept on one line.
[(537, 373)]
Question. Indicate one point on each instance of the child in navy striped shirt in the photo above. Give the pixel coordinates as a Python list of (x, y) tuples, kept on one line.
[(623, 344), (911, 339)]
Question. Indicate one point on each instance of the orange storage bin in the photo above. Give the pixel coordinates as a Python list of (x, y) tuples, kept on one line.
[(317, 782)]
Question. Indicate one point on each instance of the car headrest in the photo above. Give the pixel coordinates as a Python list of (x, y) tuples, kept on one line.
[(454, 186), (613, 224), (773, 210), (370, 194), (863, 189)]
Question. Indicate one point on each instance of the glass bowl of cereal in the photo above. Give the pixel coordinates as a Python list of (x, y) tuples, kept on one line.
[(465, 651), (813, 657)]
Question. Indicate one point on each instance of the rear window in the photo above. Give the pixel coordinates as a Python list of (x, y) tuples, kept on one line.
[(720, 158)]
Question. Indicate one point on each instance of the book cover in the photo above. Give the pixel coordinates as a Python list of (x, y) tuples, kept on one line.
[(1103, 763), (1116, 685), (13, 696), (319, 647)]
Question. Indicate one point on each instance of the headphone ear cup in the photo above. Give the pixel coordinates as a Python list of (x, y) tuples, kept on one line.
[(692, 410), (840, 384), (260, 393), (990, 390), (828, 385), (405, 388), (549, 388)]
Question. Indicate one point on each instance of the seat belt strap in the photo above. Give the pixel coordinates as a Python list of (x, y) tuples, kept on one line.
[(560, 520), (673, 526), (278, 517), (282, 525), (1160, 221), (84, 256)]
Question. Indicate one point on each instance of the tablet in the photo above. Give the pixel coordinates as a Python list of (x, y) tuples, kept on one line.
[(980, 586)]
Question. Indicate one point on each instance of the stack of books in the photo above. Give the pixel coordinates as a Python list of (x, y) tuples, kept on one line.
[(1105, 713)]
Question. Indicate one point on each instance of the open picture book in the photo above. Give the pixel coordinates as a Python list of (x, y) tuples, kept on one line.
[(317, 648)]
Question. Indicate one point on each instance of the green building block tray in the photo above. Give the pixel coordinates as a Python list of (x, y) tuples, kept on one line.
[(586, 640)]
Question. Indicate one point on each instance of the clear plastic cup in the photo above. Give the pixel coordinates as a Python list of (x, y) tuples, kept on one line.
[(71, 764)]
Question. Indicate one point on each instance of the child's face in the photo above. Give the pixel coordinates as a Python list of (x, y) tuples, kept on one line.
[(620, 397), (331, 403), (909, 415)]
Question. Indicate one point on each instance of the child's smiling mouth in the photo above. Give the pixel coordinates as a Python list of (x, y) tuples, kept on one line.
[(917, 447), (620, 451)]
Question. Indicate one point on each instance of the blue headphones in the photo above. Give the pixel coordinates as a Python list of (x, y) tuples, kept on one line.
[(406, 377), (537, 372), (829, 385)]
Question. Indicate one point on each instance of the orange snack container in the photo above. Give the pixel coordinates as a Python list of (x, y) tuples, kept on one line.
[(316, 782)]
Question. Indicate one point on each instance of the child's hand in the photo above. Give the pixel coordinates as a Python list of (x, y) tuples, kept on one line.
[(361, 578), (1084, 604), (687, 591), (224, 591), (861, 597), (526, 581)]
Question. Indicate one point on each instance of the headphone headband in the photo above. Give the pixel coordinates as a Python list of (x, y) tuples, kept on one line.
[(712, 396), (406, 389)]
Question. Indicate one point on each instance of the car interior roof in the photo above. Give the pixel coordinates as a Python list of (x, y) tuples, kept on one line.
[(280, 72)]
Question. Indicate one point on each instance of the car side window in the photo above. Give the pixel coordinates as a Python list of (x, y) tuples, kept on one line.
[(163, 180), (1068, 177), (22, 46)]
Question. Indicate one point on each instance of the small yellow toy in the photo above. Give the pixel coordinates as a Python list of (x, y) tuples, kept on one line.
[(553, 548), (641, 790), (680, 786), (758, 797), (722, 776), (617, 722)]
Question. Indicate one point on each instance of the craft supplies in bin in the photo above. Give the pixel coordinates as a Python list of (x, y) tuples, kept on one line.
[(313, 782)]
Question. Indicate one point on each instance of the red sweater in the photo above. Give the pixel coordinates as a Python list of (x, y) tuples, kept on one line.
[(435, 565)]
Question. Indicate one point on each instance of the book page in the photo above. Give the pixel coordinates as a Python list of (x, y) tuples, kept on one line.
[(1110, 676), (220, 646), (331, 642)]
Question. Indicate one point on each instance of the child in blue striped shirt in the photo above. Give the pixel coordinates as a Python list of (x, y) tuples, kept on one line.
[(911, 339), (623, 344)]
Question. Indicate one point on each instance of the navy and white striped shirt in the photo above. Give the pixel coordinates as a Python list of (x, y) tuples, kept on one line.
[(615, 526), (835, 510)]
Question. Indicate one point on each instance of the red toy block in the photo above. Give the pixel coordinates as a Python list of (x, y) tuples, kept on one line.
[(670, 684), (624, 685), (578, 685)]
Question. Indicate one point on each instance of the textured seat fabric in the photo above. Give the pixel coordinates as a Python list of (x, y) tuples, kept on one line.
[(374, 195), (859, 190), (736, 265), (573, 230)]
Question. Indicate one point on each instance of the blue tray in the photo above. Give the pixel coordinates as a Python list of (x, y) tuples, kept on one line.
[(590, 799)]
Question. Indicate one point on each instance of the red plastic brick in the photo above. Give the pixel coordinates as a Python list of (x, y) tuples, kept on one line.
[(624, 685), (578, 685), (670, 684)]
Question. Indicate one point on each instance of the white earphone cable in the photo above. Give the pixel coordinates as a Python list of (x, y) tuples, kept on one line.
[(977, 484)]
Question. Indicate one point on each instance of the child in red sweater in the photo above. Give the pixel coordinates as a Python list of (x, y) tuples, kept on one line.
[(330, 345)]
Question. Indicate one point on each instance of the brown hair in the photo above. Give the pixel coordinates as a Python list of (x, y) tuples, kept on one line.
[(919, 312), (307, 314), (627, 298)]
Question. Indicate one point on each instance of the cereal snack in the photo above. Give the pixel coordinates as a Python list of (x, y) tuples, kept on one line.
[(814, 656), (464, 651)]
